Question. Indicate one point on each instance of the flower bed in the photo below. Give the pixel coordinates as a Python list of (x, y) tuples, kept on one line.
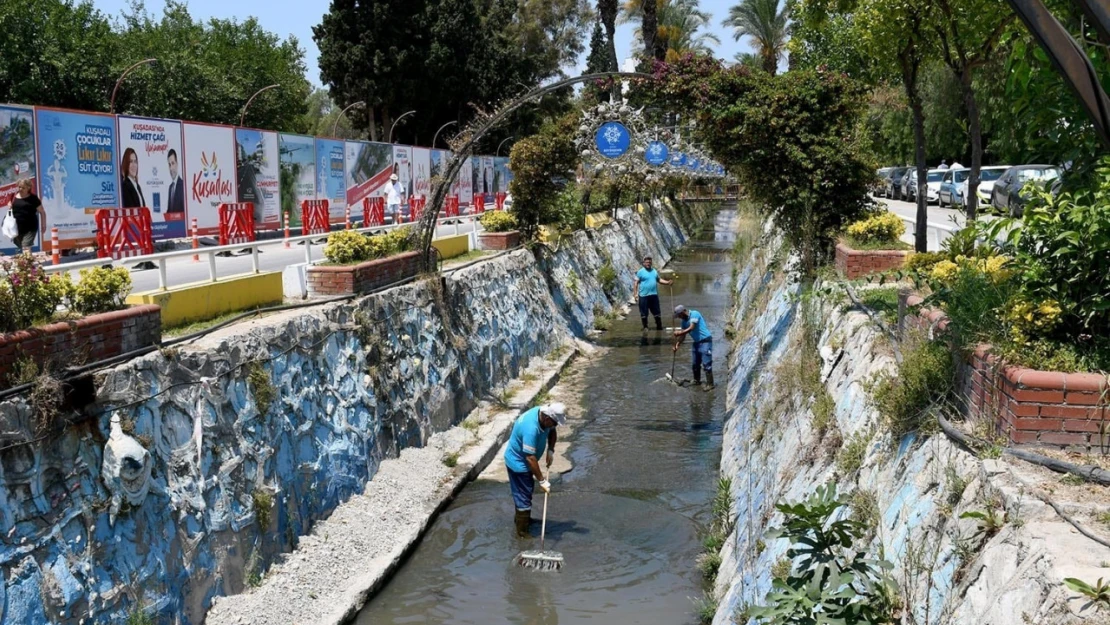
[(327, 280), (852, 263), (498, 240), (88, 339)]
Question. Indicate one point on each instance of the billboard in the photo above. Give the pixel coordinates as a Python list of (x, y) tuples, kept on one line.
[(465, 183), (501, 174), (368, 168), (258, 175), (475, 177), (487, 179), (81, 176), (331, 184), (151, 172), (210, 166), (17, 155), (421, 172), (402, 166), (439, 161), (297, 166)]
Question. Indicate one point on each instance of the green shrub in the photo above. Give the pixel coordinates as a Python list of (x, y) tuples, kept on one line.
[(35, 295), (498, 221), (101, 289), (923, 261), (607, 276), (924, 376), (346, 247), (850, 457)]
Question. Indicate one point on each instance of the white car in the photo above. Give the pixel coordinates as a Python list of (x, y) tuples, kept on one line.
[(932, 185), (987, 177)]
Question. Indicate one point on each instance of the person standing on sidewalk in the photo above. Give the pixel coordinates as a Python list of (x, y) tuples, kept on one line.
[(393, 195), (27, 209), (646, 293), (694, 325)]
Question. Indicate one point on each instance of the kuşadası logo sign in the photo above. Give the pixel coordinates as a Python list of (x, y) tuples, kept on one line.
[(656, 153), (612, 139), (678, 160)]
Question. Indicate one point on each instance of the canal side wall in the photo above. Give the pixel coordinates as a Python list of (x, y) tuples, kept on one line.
[(195, 467), (920, 484)]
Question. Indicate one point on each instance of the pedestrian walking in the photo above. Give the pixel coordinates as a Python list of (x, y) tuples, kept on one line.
[(645, 291), (694, 325), (393, 196), (533, 432), (26, 208)]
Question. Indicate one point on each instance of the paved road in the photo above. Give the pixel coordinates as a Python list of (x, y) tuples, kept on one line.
[(937, 215), (272, 257)]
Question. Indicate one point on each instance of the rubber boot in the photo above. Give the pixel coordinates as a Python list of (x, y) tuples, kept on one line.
[(658, 324), (708, 380), (523, 517), (697, 377)]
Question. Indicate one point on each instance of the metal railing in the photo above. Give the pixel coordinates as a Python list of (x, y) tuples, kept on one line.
[(212, 252)]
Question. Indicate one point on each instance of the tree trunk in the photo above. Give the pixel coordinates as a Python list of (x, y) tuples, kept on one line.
[(649, 27), (975, 136), (608, 12), (909, 81)]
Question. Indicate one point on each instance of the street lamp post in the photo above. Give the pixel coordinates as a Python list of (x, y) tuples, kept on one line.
[(404, 115), (335, 126), (112, 102), (498, 152), (436, 136), (243, 115)]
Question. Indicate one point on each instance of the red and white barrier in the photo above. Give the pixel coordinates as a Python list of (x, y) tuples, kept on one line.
[(236, 223), (373, 211), (314, 217), (123, 232)]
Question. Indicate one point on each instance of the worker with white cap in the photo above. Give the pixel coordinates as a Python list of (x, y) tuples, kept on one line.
[(393, 196), (533, 432)]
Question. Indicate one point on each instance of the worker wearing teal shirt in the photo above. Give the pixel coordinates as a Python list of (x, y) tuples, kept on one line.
[(533, 432), (646, 293), (694, 325)]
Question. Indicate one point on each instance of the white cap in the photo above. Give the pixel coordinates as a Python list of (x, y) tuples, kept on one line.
[(556, 411), (393, 177)]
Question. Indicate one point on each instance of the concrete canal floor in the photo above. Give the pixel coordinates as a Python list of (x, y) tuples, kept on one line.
[(628, 510)]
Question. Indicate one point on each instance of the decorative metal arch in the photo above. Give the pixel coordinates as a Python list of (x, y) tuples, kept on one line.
[(439, 194)]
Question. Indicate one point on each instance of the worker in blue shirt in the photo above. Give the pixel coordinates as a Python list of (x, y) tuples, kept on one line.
[(533, 432), (694, 325), (646, 293)]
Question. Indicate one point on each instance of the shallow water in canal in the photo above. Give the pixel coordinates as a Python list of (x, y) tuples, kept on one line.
[(628, 517)]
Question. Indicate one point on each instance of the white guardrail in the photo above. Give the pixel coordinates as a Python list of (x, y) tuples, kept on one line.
[(212, 252)]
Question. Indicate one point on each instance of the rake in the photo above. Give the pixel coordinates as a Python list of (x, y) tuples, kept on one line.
[(541, 560)]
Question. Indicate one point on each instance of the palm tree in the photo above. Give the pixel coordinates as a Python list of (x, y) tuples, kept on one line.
[(766, 24), (680, 26)]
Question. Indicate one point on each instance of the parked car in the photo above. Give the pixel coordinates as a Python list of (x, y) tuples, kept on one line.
[(950, 184), (1007, 196), (881, 177), (892, 189), (987, 177), (904, 187)]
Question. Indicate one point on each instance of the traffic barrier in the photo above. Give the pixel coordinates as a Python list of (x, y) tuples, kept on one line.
[(499, 200), (196, 241), (123, 232), (314, 217), (373, 211), (416, 207), (236, 223), (452, 206), (479, 204)]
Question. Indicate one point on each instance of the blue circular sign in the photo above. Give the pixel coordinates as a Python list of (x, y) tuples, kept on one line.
[(693, 164), (656, 153), (612, 139), (678, 160)]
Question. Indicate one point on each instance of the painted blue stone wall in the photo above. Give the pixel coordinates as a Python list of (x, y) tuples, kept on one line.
[(353, 384)]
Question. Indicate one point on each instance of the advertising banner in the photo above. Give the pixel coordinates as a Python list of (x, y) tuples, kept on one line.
[(422, 172), (501, 174), (81, 176), (258, 171), (368, 168), (210, 167), (151, 172), (440, 159), (297, 164), (475, 177), (402, 166), (17, 155), (487, 180), (465, 182), (331, 184)]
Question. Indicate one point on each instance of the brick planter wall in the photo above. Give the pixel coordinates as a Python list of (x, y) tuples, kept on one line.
[(82, 341), (325, 280), (853, 264), (498, 240), (1028, 406)]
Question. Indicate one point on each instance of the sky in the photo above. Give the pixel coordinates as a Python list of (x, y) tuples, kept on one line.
[(298, 18)]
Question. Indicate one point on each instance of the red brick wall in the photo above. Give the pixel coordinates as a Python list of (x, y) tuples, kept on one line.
[(498, 240), (325, 280), (854, 264), (82, 341)]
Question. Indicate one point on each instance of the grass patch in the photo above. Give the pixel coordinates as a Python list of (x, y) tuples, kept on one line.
[(262, 502), (850, 457), (471, 425), (505, 397), (924, 376), (868, 246), (528, 378), (705, 608), (451, 460), (139, 616), (607, 276), (782, 568), (541, 398), (883, 300), (197, 326), (261, 386), (466, 257), (709, 564), (1104, 518), (865, 509)]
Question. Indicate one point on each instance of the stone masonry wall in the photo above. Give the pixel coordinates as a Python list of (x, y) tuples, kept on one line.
[(196, 466), (920, 484)]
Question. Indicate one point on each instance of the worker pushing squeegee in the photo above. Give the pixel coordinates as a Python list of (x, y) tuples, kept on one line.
[(533, 432), (694, 325)]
